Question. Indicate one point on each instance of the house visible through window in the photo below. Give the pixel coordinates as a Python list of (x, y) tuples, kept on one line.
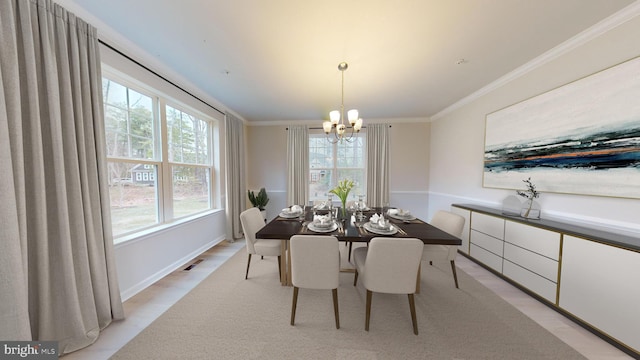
[(330, 163), (153, 179)]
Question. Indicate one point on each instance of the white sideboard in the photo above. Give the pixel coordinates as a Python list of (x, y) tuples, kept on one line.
[(589, 275)]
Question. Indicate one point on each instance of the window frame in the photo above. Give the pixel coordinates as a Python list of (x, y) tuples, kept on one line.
[(335, 169), (163, 179)]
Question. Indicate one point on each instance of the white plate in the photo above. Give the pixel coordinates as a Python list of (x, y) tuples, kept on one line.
[(379, 231), (402, 217), (331, 228), (290, 215)]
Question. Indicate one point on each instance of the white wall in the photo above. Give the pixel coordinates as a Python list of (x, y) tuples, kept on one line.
[(142, 261), (457, 138)]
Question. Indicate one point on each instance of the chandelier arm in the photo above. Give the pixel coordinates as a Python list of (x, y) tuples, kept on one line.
[(332, 141)]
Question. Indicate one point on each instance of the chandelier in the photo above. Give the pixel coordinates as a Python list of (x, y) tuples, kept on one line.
[(337, 122)]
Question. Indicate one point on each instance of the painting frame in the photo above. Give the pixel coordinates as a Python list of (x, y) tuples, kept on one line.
[(580, 138)]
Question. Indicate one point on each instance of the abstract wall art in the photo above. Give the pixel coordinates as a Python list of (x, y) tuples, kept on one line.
[(581, 138)]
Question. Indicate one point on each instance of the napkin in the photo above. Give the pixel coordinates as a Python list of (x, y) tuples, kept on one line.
[(296, 209), (321, 206), (321, 219), (403, 212), (392, 211), (375, 218)]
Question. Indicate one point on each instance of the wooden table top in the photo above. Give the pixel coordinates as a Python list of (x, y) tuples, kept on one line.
[(282, 229)]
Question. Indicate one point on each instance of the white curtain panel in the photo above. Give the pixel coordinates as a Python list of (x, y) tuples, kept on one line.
[(377, 164), (297, 165), (235, 174), (57, 268)]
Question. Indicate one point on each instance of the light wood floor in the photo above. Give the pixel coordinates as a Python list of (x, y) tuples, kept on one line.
[(145, 307)]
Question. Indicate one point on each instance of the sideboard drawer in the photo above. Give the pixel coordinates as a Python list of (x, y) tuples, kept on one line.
[(486, 257), (541, 241), (532, 281), (488, 224), (538, 264), (487, 242)]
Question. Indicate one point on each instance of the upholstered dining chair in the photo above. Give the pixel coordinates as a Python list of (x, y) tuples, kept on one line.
[(452, 224), (389, 265), (252, 221), (315, 264)]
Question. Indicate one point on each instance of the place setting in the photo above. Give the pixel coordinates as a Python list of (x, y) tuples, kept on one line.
[(402, 215), (322, 224), (377, 224), (293, 212)]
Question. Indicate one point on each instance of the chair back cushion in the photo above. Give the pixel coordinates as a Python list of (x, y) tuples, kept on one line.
[(252, 222), (391, 265), (448, 222), (315, 261)]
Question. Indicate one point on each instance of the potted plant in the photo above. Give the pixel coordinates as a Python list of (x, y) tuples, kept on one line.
[(260, 201)]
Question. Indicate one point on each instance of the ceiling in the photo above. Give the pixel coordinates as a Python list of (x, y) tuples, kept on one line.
[(276, 60)]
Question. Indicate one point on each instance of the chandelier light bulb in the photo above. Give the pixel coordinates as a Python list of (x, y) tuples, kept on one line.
[(358, 125), (327, 125), (353, 116), (335, 117)]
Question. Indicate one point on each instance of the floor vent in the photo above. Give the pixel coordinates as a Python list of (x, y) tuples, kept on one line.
[(193, 265)]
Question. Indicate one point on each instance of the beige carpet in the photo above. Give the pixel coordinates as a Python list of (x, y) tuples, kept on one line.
[(227, 317)]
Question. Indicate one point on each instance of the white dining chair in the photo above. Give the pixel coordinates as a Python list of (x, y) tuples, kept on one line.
[(389, 265), (252, 222), (450, 223), (315, 264)]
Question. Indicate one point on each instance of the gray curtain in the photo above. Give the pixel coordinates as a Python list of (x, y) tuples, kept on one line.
[(377, 164), (235, 175), (297, 165), (57, 268)]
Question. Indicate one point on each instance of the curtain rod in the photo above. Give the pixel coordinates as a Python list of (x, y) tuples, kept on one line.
[(160, 76), (319, 128)]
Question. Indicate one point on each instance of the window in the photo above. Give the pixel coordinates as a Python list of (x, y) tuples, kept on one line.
[(188, 157), (159, 162), (330, 163)]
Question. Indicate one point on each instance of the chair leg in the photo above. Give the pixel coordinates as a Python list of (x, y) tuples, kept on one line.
[(279, 268), (412, 307), (355, 278), (455, 275), (335, 307), (294, 303), (368, 310), (246, 276)]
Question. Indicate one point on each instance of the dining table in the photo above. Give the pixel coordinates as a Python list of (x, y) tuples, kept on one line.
[(349, 229)]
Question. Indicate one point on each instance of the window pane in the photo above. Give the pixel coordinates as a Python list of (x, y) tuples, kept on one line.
[(320, 153), (128, 122), (351, 154), (358, 177), (133, 195), (188, 138), (320, 183), (190, 190)]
